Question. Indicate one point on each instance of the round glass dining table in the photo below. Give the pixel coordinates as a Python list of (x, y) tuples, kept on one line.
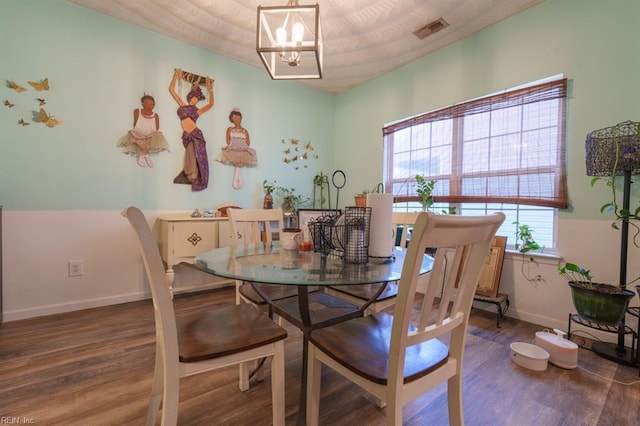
[(268, 263)]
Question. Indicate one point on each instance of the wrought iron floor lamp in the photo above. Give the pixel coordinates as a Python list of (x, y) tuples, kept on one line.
[(611, 152)]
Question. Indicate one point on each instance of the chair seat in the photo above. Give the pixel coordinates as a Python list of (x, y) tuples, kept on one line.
[(366, 292), (362, 346), (224, 331), (274, 292)]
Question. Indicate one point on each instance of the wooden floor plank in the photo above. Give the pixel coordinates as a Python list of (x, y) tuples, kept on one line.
[(95, 367)]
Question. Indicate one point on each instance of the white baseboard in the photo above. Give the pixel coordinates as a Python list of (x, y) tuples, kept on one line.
[(549, 324), (75, 306)]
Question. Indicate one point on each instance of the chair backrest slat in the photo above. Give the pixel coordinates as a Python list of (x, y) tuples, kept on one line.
[(404, 220), (468, 238), (250, 226)]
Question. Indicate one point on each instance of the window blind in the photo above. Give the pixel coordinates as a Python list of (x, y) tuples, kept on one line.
[(502, 148)]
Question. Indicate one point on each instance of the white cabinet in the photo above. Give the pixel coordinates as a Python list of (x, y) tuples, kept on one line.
[(182, 237)]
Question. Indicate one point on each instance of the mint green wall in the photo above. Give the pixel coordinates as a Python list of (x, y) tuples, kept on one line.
[(592, 42), (98, 69)]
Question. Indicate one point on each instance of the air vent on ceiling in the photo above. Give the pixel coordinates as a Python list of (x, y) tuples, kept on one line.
[(431, 28)]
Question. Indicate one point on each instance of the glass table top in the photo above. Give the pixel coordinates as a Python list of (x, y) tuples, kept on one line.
[(268, 263)]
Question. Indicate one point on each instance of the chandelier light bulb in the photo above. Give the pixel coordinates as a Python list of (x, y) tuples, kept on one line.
[(281, 35), (298, 31)]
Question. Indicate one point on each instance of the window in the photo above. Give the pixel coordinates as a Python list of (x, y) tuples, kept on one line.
[(503, 152)]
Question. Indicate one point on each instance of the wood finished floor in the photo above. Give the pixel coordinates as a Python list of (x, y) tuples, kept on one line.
[(94, 367)]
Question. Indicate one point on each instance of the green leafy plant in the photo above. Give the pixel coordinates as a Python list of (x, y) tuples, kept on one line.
[(321, 179), (289, 193), (449, 210), (424, 188), (268, 187), (525, 242), (575, 273), (320, 185), (621, 214), (524, 239)]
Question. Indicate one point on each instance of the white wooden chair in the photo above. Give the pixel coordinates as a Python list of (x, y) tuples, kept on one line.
[(397, 359), (250, 226), (359, 294), (201, 341)]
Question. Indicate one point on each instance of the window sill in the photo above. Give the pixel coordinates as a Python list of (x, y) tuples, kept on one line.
[(548, 257)]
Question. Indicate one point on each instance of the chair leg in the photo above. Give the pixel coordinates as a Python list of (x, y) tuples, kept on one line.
[(238, 298), (454, 394), (394, 411), (314, 376), (170, 394), (277, 384), (258, 370), (243, 379), (156, 390)]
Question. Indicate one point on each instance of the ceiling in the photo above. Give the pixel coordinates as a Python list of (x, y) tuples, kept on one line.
[(363, 39)]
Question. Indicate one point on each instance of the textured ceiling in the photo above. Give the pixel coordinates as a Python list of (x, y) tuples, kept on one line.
[(363, 39)]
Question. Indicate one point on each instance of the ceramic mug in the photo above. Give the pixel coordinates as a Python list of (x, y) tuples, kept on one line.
[(290, 238)]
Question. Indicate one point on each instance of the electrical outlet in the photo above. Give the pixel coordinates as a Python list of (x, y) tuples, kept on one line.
[(76, 268)]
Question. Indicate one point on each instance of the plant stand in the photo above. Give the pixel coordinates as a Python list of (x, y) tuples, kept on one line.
[(501, 301), (635, 311), (605, 349)]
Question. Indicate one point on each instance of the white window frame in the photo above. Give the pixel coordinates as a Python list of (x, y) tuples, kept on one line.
[(542, 220)]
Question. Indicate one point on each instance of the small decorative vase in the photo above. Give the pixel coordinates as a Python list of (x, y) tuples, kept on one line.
[(267, 203)]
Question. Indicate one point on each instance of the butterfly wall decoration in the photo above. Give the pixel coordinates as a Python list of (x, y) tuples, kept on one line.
[(15, 86), (46, 119), (40, 116), (40, 85), (294, 156)]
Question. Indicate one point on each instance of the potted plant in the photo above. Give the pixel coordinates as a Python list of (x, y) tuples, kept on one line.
[(424, 188), (604, 303), (290, 200), (360, 198)]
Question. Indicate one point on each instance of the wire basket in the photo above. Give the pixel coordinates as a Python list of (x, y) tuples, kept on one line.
[(346, 236), (320, 231)]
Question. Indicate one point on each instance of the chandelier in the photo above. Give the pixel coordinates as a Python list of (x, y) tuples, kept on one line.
[(289, 41)]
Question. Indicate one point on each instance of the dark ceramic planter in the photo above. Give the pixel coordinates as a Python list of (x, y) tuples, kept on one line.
[(602, 302)]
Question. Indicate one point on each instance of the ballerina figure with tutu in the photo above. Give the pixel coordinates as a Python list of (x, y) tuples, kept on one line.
[(237, 152), (145, 138)]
